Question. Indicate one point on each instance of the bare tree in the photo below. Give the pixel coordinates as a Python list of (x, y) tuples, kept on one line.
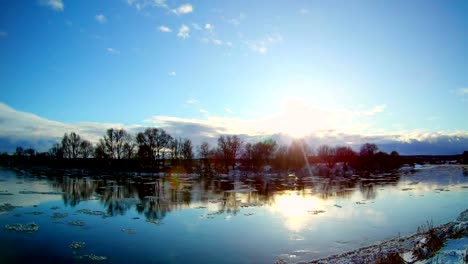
[(86, 149), (345, 154), (229, 147), (129, 149), (114, 142), (153, 143), (30, 152), (56, 151), (257, 155), (71, 145), (204, 150), (187, 150), (327, 154), (19, 151)]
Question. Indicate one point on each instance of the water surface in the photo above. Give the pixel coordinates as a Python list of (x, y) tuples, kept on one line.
[(182, 218)]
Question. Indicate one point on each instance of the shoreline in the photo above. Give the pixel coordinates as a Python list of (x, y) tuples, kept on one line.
[(400, 249)]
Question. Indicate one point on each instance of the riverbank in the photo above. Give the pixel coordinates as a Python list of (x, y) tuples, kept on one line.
[(420, 247)]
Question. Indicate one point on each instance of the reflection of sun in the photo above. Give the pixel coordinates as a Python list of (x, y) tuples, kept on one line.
[(295, 207)]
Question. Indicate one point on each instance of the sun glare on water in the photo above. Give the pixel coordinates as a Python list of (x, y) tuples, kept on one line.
[(295, 209)]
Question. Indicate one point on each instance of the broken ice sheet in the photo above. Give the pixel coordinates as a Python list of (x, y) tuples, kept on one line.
[(77, 245), (129, 231), (7, 207), (29, 228), (59, 215), (77, 223), (91, 212)]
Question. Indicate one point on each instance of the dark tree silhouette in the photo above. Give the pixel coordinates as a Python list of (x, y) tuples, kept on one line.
[(346, 155), (56, 151), (30, 152), (229, 147), (368, 149), (328, 155), (19, 151), (86, 149), (152, 144), (255, 156), (71, 145), (113, 143)]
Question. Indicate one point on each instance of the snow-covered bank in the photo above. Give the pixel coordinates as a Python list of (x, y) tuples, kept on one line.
[(417, 248)]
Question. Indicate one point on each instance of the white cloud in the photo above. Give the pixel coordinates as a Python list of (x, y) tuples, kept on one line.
[(113, 51), (141, 4), (263, 45), (3, 34), (164, 29), (56, 5), (192, 101), (204, 111), (196, 26), (209, 26), (217, 42), (228, 110), (29, 130), (172, 73), (237, 21), (183, 9), (304, 11), (375, 110), (184, 32), (461, 91), (100, 18)]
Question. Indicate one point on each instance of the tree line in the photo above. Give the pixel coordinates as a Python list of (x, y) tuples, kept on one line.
[(156, 150)]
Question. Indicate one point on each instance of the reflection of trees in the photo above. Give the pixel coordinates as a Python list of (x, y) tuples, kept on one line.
[(155, 197), (76, 189), (119, 198)]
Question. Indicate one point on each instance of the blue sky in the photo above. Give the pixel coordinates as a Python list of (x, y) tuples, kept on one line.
[(393, 70)]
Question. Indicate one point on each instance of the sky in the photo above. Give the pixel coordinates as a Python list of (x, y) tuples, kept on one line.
[(332, 72)]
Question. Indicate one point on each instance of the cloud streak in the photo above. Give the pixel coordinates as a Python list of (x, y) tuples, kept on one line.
[(164, 29), (183, 9), (142, 4), (113, 51), (100, 18), (262, 46), (56, 5)]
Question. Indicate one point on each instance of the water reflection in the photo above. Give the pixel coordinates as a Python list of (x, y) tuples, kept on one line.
[(291, 196)]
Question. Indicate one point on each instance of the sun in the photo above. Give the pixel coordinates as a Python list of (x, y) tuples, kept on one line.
[(297, 119)]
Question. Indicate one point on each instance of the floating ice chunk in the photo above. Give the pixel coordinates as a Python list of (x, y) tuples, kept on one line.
[(7, 207), (95, 257), (59, 215), (29, 228), (77, 223), (77, 245), (129, 231)]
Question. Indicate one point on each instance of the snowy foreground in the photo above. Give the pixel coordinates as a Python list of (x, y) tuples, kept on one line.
[(401, 250)]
